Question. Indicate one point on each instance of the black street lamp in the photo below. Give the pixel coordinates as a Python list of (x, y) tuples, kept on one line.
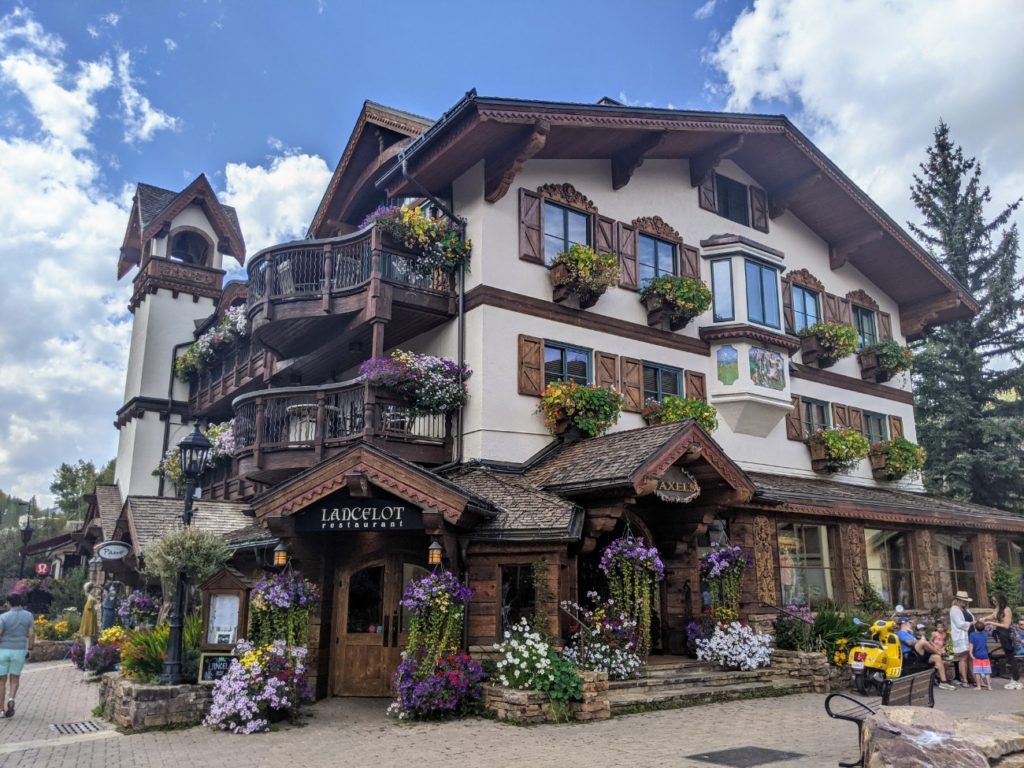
[(26, 537), (193, 451)]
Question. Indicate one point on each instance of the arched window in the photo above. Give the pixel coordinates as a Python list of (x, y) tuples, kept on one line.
[(190, 247)]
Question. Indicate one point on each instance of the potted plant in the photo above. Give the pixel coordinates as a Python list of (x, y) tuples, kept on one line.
[(431, 384), (884, 360), (438, 244), (201, 352), (591, 410), (896, 458), (823, 344), (673, 408), (677, 299), (584, 273), (837, 450)]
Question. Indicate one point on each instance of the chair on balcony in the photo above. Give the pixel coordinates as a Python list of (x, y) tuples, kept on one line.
[(396, 418), (285, 279)]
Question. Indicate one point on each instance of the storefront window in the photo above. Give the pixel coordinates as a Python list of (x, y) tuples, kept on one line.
[(956, 565), (517, 595), (1010, 552), (804, 564), (888, 559)]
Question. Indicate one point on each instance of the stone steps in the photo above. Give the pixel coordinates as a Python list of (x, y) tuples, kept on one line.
[(638, 699), (706, 677)]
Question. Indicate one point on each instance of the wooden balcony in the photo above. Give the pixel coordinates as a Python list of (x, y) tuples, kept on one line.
[(242, 368), (304, 295), (279, 432)]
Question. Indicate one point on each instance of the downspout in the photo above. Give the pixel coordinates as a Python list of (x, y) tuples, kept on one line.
[(170, 404)]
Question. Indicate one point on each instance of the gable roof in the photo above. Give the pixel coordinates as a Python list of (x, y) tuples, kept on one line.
[(150, 518), (108, 504)]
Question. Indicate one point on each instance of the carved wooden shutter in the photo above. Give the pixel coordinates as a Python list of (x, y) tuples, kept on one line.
[(707, 194), (884, 325), (689, 261), (531, 366), (840, 416), (627, 257), (606, 370), (830, 308), (758, 209), (531, 240), (604, 234), (845, 312), (632, 375), (696, 386), (857, 419), (795, 420), (895, 427), (787, 306)]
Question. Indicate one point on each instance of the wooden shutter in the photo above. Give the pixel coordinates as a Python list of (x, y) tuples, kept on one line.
[(795, 420), (840, 416), (895, 427), (627, 257), (531, 366), (606, 372), (857, 420), (696, 386), (531, 240), (845, 312), (830, 308), (689, 261), (758, 209), (884, 325), (787, 306), (632, 375), (604, 234), (707, 194)]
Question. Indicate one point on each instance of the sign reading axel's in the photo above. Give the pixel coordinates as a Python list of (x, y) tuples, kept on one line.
[(677, 486), (359, 515)]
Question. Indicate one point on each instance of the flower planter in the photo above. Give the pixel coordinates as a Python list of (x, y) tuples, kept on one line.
[(819, 457), (870, 370), (878, 462), (563, 289), (813, 354), (658, 314)]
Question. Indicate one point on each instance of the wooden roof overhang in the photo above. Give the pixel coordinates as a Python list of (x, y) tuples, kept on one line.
[(797, 176)]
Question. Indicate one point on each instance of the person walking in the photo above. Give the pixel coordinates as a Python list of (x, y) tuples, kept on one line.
[(960, 621), (17, 637)]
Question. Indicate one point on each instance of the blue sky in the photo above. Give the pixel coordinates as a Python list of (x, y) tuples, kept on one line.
[(261, 96)]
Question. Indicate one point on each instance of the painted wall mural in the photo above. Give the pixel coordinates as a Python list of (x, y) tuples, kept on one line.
[(767, 368), (728, 365)]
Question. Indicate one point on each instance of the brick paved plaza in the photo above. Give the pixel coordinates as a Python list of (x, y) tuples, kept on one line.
[(356, 732)]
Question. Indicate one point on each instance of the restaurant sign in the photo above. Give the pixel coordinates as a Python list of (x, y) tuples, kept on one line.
[(677, 486), (350, 514), (113, 550)]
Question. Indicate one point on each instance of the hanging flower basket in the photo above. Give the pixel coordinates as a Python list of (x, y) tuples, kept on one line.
[(896, 458), (584, 273), (884, 360), (675, 300), (837, 450), (823, 344)]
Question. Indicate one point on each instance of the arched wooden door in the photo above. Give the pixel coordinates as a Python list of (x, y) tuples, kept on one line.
[(371, 628)]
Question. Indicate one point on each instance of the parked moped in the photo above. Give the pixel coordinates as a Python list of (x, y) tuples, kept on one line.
[(877, 658)]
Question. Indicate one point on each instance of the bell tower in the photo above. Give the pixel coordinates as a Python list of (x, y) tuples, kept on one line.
[(178, 241)]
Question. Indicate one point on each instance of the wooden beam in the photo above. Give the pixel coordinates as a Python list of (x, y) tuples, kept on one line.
[(839, 253), (501, 172), (625, 163), (703, 163), (780, 198), (917, 317)]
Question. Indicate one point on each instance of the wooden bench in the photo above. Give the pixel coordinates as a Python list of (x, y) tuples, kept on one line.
[(917, 690)]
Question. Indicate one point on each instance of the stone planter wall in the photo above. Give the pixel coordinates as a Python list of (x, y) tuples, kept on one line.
[(532, 708), (50, 650), (804, 665), (135, 706)]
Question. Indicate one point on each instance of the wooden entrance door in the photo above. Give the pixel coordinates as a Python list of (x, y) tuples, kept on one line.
[(372, 628)]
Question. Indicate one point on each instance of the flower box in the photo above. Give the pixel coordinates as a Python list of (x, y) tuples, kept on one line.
[(895, 459), (674, 299), (837, 450), (658, 314), (884, 360), (819, 457), (870, 370), (822, 344), (810, 347), (563, 288)]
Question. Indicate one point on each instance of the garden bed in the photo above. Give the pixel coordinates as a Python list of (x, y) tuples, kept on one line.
[(49, 650), (527, 707), (135, 706)]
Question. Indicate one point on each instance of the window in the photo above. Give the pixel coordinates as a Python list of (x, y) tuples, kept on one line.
[(563, 227), (956, 565), (815, 416), (732, 200), (518, 597), (660, 380), (805, 308), (655, 258), (762, 294), (721, 287), (889, 565), (804, 564), (1010, 552), (564, 363), (864, 322), (875, 427)]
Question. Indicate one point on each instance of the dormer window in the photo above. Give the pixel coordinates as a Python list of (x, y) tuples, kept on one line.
[(563, 227)]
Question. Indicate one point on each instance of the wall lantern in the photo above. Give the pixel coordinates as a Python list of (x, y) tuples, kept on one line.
[(434, 552), (280, 555)]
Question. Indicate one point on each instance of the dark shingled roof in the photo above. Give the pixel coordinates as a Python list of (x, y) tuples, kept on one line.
[(153, 517), (607, 460), (153, 200), (809, 490), (108, 506), (522, 508), (251, 535)]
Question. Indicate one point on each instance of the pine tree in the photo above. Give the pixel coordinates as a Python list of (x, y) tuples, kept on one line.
[(969, 374)]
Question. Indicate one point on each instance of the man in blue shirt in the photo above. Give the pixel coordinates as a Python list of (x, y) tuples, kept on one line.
[(922, 648)]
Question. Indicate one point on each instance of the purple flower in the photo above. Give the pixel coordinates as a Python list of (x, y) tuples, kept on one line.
[(137, 608), (723, 560), (629, 553), (421, 594)]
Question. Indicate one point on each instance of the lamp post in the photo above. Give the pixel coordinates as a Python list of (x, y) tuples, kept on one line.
[(193, 452), (26, 537)]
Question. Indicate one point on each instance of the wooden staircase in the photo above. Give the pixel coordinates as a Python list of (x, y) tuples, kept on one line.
[(688, 682)]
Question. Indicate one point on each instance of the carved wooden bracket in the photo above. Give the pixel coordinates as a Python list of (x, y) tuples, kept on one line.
[(567, 195), (780, 198), (501, 172), (625, 163), (657, 227), (861, 297), (916, 318), (806, 279), (704, 163), (840, 252)]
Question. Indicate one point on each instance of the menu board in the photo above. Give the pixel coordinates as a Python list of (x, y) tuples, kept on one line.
[(223, 623), (213, 666)]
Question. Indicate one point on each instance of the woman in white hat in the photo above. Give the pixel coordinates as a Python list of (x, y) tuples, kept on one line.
[(960, 620)]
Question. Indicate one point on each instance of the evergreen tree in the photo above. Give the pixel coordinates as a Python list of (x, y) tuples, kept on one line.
[(969, 373)]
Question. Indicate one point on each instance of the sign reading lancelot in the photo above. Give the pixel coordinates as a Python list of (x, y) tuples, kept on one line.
[(360, 515), (677, 486)]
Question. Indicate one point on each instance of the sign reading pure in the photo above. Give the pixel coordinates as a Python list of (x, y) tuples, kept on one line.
[(350, 514), (677, 486)]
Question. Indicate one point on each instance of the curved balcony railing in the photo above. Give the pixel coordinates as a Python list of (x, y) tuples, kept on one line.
[(244, 364)]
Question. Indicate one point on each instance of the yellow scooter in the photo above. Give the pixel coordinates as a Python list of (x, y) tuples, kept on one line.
[(878, 658)]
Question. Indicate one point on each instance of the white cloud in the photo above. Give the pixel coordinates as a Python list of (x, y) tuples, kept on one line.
[(111, 19), (93, 32), (706, 10), (870, 82), (170, 44), (141, 119)]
